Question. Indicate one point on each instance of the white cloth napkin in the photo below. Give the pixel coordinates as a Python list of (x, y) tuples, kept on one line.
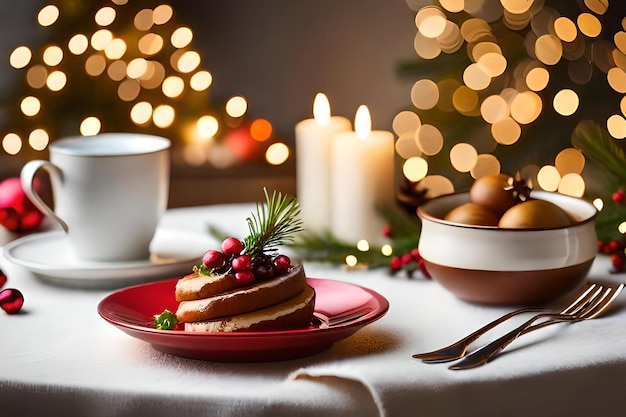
[(566, 369)]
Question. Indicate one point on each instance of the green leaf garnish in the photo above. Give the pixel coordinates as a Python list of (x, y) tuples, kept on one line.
[(202, 270), (165, 321)]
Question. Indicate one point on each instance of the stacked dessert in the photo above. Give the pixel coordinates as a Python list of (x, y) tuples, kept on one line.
[(248, 286)]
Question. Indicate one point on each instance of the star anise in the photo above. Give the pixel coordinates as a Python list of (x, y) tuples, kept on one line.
[(521, 188)]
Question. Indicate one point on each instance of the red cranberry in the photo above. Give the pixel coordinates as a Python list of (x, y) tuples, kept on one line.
[(617, 262), (245, 277), (387, 231), (614, 245), (263, 271), (11, 300), (232, 246), (282, 263), (213, 259), (422, 265), (242, 263), (415, 255), (395, 263)]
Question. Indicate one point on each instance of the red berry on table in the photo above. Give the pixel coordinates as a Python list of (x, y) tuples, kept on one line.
[(617, 262), (618, 196), (614, 245), (213, 259), (242, 263), (395, 263), (245, 277), (11, 300), (232, 246), (415, 255), (282, 263), (3, 278), (406, 258), (422, 265)]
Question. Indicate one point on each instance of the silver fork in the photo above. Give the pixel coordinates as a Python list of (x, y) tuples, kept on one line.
[(458, 349), (593, 308)]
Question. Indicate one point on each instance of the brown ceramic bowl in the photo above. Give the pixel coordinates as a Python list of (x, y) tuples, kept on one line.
[(490, 265)]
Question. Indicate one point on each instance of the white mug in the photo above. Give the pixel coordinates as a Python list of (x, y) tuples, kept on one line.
[(109, 192)]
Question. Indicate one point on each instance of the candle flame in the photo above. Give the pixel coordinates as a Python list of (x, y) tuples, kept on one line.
[(362, 122), (321, 109)]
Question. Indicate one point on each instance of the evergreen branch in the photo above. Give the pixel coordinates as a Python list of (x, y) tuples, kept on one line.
[(593, 141), (327, 248), (273, 224)]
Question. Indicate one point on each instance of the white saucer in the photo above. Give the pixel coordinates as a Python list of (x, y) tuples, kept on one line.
[(48, 254)]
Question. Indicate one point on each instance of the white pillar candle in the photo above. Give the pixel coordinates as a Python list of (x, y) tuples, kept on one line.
[(313, 157), (362, 181)]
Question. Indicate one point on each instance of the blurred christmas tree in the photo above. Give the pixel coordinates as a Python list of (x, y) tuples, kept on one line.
[(125, 66)]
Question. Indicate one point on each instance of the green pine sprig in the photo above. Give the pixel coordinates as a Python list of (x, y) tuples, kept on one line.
[(610, 171), (273, 224), (597, 145)]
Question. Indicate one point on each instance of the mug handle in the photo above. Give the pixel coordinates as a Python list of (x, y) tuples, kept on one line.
[(27, 176)]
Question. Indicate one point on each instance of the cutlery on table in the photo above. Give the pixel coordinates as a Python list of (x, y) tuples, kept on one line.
[(596, 304), (458, 349)]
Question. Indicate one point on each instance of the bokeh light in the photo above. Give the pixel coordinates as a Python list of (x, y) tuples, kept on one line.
[(78, 44), (277, 153), (38, 139), (207, 126), (12, 143), (90, 126), (30, 106), (261, 130), (105, 16), (201, 80), (236, 106), (20, 57), (52, 55), (48, 15)]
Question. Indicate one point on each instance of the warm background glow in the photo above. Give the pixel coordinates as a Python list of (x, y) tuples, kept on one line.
[(123, 66), (484, 115)]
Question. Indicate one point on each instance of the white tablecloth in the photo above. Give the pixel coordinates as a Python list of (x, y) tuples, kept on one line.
[(60, 358)]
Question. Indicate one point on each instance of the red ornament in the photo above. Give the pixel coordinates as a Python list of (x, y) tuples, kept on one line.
[(241, 142), (3, 278), (17, 212), (11, 300)]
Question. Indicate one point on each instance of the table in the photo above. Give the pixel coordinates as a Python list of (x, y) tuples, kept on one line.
[(60, 358)]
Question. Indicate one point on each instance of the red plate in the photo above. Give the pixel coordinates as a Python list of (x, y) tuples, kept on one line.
[(132, 310)]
